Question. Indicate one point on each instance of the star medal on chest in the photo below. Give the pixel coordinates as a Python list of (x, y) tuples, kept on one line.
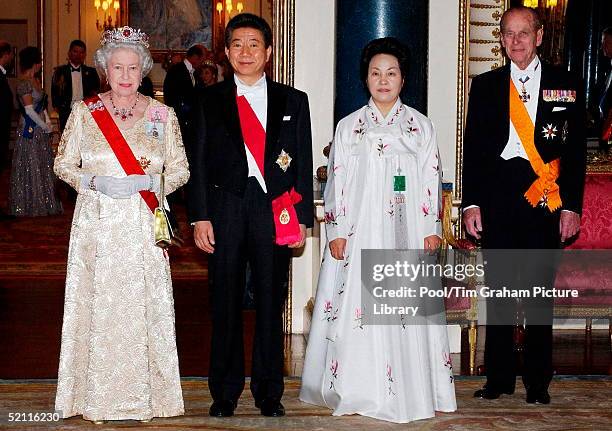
[(284, 160), (549, 132), (144, 162)]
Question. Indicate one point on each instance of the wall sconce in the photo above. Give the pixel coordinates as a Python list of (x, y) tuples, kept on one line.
[(229, 7), (107, 21), (530, 3)]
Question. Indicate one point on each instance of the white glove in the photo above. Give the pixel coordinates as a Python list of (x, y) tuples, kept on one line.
[(48, 120), (140, 182), (37, 118), (116, 188), (119, 188)]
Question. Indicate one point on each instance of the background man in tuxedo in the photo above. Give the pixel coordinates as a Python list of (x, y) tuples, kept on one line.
[(179, 87), (73, 82), (6, 109), (231, 189), (497, 174), (6, 103)]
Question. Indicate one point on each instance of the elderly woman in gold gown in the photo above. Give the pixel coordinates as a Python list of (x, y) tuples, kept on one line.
[(118, 356)]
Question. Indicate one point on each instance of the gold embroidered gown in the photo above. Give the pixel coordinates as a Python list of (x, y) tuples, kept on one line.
[(118, 356)]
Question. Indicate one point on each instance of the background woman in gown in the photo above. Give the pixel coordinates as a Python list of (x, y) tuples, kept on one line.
[(32, 185), (400, 372), (118, 356)]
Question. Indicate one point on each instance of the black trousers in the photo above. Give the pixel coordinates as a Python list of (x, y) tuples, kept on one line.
[(244, 231), (510, 222)]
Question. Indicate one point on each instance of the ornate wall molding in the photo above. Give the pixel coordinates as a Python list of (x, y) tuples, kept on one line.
[(283, 26), (479, 50)]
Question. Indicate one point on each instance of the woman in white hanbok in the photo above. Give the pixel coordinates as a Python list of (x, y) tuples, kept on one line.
[(400, 372)]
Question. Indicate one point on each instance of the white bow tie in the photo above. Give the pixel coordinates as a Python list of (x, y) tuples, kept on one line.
[(256, 90)]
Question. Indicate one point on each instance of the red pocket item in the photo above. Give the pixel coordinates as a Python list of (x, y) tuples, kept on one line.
[(285, 218)]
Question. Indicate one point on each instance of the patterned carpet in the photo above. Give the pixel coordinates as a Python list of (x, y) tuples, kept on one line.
[(577, 404)]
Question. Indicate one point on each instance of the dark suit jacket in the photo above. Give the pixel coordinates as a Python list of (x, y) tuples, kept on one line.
[(179, 93), (6, 109), (219, 157), (487, 131), (61, 87)]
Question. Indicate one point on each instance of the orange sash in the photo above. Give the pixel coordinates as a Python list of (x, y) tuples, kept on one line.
[(544, 189)]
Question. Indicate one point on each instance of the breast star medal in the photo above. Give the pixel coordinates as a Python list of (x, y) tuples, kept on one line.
[(549, 131), (283, 161), (144, 162), (284, 216)]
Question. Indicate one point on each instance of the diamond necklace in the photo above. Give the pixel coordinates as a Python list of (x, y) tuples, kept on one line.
[(124, 113)]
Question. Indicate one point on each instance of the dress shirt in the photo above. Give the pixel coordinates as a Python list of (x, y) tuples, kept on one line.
[(514, 147), (191, 70), (2, 69), (257, 96), (77, 84)]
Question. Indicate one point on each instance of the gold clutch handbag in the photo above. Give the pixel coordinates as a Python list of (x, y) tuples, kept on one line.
[(166, 227)]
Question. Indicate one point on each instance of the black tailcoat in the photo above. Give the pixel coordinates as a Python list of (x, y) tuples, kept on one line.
[(61, 88), (497, 186), (221, 192)]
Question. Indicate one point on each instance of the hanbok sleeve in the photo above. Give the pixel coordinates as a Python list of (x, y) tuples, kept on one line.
[(335, 205), (67, 164), (176, 167), (430, 166)]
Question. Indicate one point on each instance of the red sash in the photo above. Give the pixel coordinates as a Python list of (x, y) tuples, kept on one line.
[(252, 131), (286, 221), (118, 144)]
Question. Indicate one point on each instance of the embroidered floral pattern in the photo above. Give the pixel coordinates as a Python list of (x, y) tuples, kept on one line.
[(411, 128), (390, 380), (327, 311), (391, 210), (396, 115), (360, 129), (358, 317), (330, 218), (334, 373), (381, 147), (448, 363)]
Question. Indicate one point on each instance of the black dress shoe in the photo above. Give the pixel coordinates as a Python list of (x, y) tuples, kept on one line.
[(271, 407), (222, 408), (489, 393), (540, 396)]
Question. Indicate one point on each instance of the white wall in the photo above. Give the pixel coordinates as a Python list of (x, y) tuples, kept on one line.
[(442, 79), (22, 9), (314, 74)]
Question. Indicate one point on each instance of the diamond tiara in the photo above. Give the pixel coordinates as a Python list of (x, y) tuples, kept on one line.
[(125, 35)]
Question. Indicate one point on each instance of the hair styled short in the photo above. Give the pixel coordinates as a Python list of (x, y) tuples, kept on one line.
[(385, 45), (5, 48), (248, 20), (28, 57), (104, 53), (195, 50), (79, 43), (536, 22)]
